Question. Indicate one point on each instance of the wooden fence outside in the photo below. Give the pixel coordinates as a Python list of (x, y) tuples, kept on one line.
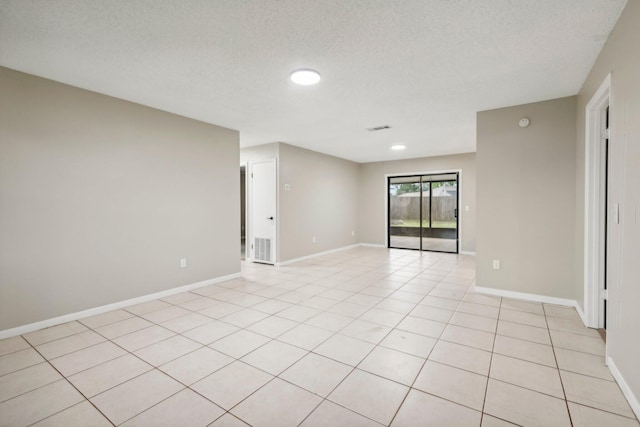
[(405, 209)]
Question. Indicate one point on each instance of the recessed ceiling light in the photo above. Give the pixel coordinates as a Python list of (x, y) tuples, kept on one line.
[(398, 147), (305, 77)]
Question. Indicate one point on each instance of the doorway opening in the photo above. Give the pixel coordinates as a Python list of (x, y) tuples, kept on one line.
[(422, 212), (243, 212), (597, 209), (604, 180), (262, 242)]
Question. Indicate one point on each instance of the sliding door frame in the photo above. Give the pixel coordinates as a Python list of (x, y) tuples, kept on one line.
[(419, 174)]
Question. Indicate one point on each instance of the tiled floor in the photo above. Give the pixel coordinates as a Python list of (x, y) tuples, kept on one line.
[(364, 337)]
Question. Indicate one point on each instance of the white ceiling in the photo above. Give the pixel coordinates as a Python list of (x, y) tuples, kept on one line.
[(424, 67)]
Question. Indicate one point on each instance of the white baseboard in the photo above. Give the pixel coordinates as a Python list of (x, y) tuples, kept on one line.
[(330, 251), (527, 297), (534, 298), (366, 245), (372, 245), (581, 314), (626, 390), (7, 333), (378, 245)]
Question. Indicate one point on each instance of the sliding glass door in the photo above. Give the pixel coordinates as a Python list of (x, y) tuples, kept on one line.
[(423, 212), (405, 212)]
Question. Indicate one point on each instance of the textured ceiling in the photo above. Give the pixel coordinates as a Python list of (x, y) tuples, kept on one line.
[(424, 67)]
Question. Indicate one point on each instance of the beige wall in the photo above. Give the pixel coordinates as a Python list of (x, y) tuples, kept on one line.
[(372, 192), (259, 152), (322, 202), (526, 198), (100, 198), (620, 57)]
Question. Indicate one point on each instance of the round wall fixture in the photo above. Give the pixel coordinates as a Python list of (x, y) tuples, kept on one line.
[(524, 122), (305, 77)]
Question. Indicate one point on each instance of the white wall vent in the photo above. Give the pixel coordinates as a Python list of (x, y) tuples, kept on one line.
[(262, 249)]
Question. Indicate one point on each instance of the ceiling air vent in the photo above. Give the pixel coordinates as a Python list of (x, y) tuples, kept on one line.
[(377, 128)]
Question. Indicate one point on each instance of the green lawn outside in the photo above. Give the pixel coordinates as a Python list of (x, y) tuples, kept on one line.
[(416, 223)]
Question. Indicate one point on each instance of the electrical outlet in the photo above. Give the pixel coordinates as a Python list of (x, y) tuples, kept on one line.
[(353, 232), (183, 262), (313, 239), (496, 264)]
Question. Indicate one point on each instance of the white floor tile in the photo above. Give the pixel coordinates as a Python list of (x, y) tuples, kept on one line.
[(461, 356), (89, 357), (196, 365), (305, 336), (583, 416), (365, 331), (407, 342), (433, 411), (370, 395), (456, 385), (392, 364), (84, 414), (110, 374), (239, 343), (318, 374), (344, 349), (20, 359), (274, 357), (277, 404), (38, 404), (135, 396), (525, 407), (328, 414), (53, 333), (144, 337), (165, 351), (525, 374), (525, 350), (182, 409), (594, 392), (69, 344), (27, 379), (11, 345), (232, 384)]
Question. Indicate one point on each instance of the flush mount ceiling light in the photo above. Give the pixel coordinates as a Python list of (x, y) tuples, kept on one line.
[(398, 147), (305, 77)]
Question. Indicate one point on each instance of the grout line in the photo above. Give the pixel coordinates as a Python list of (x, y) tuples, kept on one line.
[(35, 388), (72, 385), (493, 346), (555, 357)]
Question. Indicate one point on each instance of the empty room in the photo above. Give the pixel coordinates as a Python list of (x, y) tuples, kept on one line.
[(278, 213)]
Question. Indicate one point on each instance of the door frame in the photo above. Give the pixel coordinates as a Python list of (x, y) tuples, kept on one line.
[(594, 198), (247, 227), (249, 206), (437, 172)]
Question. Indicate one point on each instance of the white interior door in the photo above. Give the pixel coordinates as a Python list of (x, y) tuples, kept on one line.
[(263, 211)]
